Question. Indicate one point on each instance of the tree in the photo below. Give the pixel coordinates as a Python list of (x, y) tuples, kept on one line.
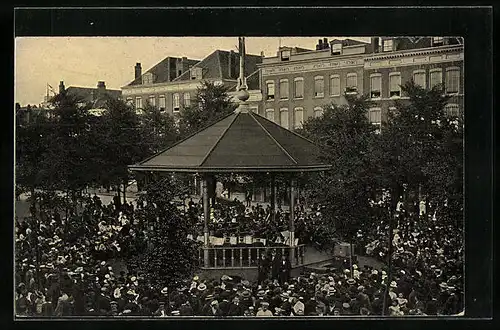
[(211, 102), (31, 145), (421, 155), (123, 141), (347, 138), (65, 163), (171, 256), (158, 129)]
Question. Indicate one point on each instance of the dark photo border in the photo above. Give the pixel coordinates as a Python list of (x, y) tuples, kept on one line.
[(474, 24)]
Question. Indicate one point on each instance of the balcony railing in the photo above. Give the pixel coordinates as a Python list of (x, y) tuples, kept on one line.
[(246, 257)]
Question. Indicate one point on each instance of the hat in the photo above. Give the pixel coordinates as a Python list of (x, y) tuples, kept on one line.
[(246, 294), (245, 283), (127, 311), (443, 285), (103, 263), (261, 293), (133, 278), (202, 287), (418, 272), (164, 290), (214, 302), (394, 284), (265, 303), (374, 272), (176, 313), (347, 271), (196, 278), (354, 266), (225, 278), (351, 281), (361, 288), (346, 305)]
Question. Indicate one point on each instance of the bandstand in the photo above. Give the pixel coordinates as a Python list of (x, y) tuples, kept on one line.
[(242, 142)]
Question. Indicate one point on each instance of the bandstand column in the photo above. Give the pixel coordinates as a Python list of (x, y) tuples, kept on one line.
[(292, 222), (206, 215)]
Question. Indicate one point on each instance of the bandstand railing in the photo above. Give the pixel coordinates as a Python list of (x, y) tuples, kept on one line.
[(220, 257)]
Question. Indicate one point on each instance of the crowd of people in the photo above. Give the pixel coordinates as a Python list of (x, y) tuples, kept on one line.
[(237, 219), (64, 267)]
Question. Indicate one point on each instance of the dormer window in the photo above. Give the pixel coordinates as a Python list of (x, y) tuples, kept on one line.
[(196, 73), (147, 78), (285, 55), (437, 41), (388, 45), (336, 49)]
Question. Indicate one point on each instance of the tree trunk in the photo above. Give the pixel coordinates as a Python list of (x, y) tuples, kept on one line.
[(125, 182)]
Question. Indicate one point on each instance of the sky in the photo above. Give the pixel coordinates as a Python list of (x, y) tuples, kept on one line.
[(83, 61)]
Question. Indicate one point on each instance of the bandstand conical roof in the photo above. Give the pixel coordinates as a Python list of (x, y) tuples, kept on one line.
[(238, 142)]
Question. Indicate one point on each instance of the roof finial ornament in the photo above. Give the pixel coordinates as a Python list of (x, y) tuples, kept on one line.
[(242, 83)]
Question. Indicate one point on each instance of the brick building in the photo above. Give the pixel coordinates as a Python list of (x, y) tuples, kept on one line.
[(172, 84), (428, 61), (298, 83)]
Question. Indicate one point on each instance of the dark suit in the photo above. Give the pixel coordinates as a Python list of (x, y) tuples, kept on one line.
[(235, 310), (275, 268), (263, 270), (284, 269)]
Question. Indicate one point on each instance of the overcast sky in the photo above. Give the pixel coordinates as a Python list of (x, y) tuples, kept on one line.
[(82, 61)]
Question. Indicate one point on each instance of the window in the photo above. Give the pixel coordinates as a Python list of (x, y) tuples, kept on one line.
[(419, 78), (176, 102), (130, 101), (435, 77), (284, 89), (270, 90), (285, 55), (318, 112), (161, 103), (375, 85), (351, 83), (298, 118), (270, 114), (147, 78), (187, 99), (335, 85), (452, 110), (437, 41), (284, 118), (452, 80), (395, 84), (388, 45), (299, 87), (336, 49), (319, 86), (196, 73), (376, 118), (152, 100), (138, 102)]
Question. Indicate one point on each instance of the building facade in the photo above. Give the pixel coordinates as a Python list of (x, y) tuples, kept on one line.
[(173, 87), (298, 83)]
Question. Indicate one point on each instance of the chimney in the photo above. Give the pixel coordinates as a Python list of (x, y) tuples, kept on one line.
[(138, 70), (230, 64), (375, 43), (101, 88), (262, 54), (61, 87), (325, 43), (320, 44)]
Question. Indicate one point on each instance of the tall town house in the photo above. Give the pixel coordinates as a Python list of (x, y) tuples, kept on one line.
[(298, 83), (172, 84)]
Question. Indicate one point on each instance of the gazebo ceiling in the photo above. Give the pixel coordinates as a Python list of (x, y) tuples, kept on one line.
[(239, 142)]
